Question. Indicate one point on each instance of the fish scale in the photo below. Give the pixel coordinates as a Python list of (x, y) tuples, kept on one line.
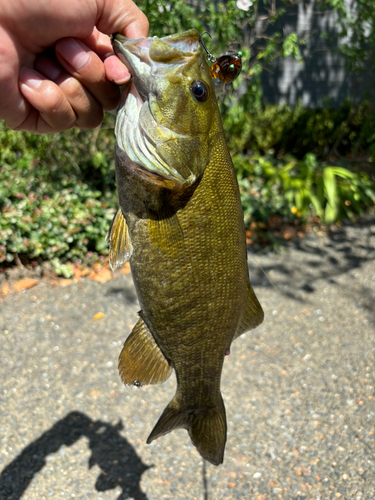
[(185, 237)]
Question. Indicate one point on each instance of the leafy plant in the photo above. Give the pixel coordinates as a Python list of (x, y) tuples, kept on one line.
[(57, 192), (347, 131), (50, 206), (291, 187)]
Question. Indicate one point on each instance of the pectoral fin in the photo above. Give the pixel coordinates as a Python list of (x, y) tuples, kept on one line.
[(120, 247), (252, 315), (165, 229), (141, 362)]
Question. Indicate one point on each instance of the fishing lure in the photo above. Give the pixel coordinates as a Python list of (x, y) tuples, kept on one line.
[(226, 67)]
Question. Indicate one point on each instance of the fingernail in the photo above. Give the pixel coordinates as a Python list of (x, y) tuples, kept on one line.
[(29, 78), (116, 71), (73, 52)]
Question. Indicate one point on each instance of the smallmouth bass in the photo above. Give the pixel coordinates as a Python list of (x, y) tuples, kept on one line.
[(180, 224)]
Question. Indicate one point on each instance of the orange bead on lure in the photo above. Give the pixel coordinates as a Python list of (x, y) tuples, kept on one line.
[(226, 67)]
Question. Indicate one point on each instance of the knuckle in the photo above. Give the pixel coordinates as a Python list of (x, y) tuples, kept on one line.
[(57, 111), (54, 99), (111, 99), (90, 119), (144, 21), (72, 88)]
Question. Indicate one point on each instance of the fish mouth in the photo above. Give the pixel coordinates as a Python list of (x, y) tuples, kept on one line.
[(147, 60), (136, 60), (143, 56)]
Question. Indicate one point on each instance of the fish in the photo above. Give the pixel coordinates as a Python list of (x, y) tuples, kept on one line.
[(180, 225)]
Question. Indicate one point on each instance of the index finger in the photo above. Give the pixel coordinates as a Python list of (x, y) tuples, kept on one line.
[(115, 70), (123, 17), (13, 107)]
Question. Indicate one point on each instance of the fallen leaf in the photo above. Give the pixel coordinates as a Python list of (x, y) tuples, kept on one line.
[(65, 282), (289, 232), (102, 276), (6, 289), (79, 271), (24, 284), (99, 315), (126, 268)]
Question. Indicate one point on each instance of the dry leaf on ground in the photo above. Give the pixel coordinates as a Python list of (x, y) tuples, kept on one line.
[(125, 269), (101, 276), (5, 289), (24, 284), (80, 271), (65, 282), (99, 315)]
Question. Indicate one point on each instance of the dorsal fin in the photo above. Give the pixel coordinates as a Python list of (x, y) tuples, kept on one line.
[(141, 361), (252, 315), (120, 247)]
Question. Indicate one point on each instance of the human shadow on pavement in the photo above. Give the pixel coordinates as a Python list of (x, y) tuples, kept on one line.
[(342, 249), (128, 295), (117, 459)]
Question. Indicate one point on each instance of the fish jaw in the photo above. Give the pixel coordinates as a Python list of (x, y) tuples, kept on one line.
[(158, 125), (136, 60), (145, 57)]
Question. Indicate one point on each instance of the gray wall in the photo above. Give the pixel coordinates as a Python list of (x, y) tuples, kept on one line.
[(322, 77)]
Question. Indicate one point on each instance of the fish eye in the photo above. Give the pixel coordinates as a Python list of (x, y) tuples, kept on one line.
[(199, 91)]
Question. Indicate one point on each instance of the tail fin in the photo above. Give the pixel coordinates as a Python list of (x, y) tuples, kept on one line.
[(207, 428)]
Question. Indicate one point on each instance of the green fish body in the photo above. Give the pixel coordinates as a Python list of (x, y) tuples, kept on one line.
[(180, 225)]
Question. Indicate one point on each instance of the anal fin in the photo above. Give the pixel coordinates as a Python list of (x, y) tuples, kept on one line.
[(252, 315), (120, 247), (141, 361)]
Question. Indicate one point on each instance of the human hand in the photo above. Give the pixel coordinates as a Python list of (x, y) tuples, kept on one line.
[(54, 70)]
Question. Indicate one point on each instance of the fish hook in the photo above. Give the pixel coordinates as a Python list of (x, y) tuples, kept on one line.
[(210, 56), (226, 67)]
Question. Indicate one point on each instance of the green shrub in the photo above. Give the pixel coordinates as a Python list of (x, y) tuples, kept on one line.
[(57, 193), (346, 131), (295, 188)]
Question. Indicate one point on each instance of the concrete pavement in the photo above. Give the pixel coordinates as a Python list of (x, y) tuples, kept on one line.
[(298, 390)]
